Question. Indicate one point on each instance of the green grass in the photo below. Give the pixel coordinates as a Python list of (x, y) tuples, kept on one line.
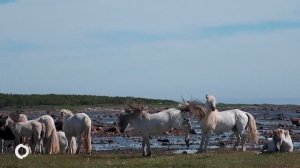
[(224, 159)]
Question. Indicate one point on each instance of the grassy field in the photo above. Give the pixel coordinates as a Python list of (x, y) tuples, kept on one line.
[(224, 159)]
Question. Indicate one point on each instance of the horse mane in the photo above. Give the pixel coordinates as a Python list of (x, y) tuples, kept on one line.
[(14, 116), (136, 109), (66, 111), (196, 109)]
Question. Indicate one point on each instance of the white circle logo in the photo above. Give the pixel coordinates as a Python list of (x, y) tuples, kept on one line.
[(17, 151)]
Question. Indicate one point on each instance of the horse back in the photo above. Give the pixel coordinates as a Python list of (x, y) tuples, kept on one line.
[(76, 124)]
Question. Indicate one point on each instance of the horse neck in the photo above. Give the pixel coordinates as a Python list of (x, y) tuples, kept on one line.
[(176, 118), (14, 127), (67, 116), (211, 114), (10, 123), (210, 120)]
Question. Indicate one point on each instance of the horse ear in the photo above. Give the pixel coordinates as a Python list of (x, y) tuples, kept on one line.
[(183, 100)]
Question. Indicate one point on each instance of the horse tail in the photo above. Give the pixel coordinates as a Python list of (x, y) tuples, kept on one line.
[(54, 142), (87, 135), (253, 133)]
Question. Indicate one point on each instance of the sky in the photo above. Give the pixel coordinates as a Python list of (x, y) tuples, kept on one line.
[(239, 51)]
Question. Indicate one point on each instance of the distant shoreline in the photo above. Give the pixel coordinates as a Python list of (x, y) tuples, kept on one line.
[(118, 108)]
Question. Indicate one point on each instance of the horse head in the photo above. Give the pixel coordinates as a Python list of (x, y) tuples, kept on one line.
[(194, 107), (211, 102), (3, 120), (278, 137), (131, 111), (65, 113), (123, 121)]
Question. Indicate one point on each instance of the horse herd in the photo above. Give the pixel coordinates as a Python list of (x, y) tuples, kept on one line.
[(42, 135)]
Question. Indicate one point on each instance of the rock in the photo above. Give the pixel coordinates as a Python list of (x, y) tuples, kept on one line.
[(163, 140), (112, 129), (295, 121), (222, 144)]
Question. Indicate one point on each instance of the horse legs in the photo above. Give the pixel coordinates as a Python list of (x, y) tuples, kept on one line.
[(37, 144), (238, 139), (244, 138), (203, 137), (46, 145), (143, 146), (69, 138), (42, 146), (2, 145), (207, 140), (79, 145), (146, 146)]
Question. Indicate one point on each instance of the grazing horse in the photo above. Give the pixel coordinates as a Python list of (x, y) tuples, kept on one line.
[(77, 125), (152, 124), (29, 129), (51, 141), (211, 120)]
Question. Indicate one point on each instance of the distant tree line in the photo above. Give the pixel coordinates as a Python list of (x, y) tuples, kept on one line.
[(11, 100)]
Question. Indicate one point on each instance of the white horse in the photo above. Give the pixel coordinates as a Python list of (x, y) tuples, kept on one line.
[(63, 143), (284, 140), (211, 120), (281, 141), (29, 129), (77, 125), (51, 141), (152, 124)]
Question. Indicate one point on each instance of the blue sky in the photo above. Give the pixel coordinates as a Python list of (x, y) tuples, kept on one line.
[(241, 52)]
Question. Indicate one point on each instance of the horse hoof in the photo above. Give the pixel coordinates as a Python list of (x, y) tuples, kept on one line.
[(148, 155)]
